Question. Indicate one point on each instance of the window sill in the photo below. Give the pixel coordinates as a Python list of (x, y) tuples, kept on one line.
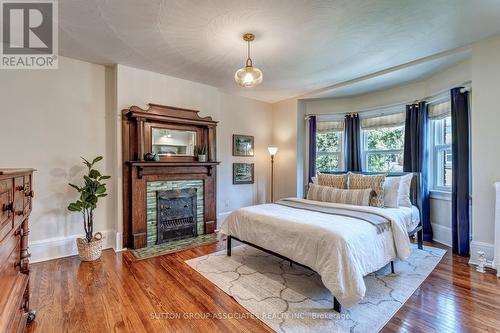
[(440, 195)]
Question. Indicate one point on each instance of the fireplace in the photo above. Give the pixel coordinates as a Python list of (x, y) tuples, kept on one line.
[(176, 214), (150, 217)]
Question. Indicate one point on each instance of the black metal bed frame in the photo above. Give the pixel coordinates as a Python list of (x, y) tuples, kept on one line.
[(415, 194)]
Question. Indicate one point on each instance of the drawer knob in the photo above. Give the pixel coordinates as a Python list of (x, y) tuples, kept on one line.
[(20, 212), (19, 232), (30, 194), (17, 263), (20, 188), (8, 207)]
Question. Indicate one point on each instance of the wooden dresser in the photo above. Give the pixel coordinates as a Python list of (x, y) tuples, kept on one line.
[(16, 194)]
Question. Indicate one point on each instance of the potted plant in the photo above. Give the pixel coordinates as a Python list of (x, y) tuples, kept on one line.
[(90, 247), (201, 152)]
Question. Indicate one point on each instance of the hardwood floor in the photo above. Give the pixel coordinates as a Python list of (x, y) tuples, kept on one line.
[(118, 294)]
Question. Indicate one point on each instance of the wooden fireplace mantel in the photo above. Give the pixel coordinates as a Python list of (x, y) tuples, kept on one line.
[(136, 141), (157, 168)]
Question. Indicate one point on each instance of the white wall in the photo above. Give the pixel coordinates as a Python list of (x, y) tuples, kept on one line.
[(236, 115), (49, 118), (285, 138), (485, 121)]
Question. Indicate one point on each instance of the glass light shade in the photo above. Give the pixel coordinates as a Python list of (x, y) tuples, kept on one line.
[(272, 150), (248, 76)]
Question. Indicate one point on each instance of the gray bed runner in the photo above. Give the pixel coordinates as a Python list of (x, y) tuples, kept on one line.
[(380, 222)]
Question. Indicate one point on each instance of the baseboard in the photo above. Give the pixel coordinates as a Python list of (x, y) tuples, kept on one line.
[(441, 234), (59, 247), (487, 248)]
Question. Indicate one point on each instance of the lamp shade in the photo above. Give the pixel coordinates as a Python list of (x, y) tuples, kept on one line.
[(272, 150), (248, 76)]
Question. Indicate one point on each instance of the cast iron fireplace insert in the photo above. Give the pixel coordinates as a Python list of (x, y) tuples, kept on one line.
[(176, 214)]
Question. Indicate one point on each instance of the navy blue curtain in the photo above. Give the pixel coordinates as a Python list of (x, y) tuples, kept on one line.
[(416, 156), (460, 172), (312, 148), (352, 143)]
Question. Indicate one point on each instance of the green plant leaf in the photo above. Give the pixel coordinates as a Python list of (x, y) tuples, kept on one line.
[(74, 207), (88, 180), (92, 199), (102, 195), (104, 177), (94, 174), (75, 187), (100, 189), (87, 163), (97, 159)]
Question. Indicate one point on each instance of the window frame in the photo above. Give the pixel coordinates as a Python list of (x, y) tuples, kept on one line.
[(436, 164), (367, 152), (339, 153)]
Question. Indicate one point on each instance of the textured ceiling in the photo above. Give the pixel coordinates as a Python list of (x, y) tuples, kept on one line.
[(301, 46)]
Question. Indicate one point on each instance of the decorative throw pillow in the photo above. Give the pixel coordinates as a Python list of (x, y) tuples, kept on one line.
[(404, 190), (375, 182), (391, 192), (336, 195), (336, 181)]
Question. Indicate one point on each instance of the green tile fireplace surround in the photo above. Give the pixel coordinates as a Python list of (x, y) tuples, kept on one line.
[(153, 187)]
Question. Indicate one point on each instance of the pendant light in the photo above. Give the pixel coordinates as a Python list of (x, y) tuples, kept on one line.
[(248, 76)]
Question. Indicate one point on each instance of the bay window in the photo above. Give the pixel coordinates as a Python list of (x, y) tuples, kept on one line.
[(441, 159), (383, 143), (329, 146)]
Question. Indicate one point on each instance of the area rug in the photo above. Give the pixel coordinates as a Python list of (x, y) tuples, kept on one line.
[(293, 299), (174, 246)]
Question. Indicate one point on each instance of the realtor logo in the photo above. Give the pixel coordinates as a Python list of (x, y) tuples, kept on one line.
[(29, 35)]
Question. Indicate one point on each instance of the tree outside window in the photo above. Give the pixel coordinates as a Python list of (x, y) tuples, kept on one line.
[(329, 151), (384, 149)]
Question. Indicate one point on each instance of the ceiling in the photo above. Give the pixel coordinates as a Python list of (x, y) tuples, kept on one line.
[(301, 46)]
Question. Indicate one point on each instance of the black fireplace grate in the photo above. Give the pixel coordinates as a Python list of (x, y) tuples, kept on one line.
[(176, 214)]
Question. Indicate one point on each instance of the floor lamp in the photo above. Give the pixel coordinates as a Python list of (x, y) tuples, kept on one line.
[(272, 152)]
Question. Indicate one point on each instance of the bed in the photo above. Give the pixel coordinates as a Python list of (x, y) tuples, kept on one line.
[(331, 239)]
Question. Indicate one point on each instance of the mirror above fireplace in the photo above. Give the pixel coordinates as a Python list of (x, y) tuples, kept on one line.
[(171, 142)]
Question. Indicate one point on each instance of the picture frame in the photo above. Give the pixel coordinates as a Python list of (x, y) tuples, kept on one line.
[(243, 173), (243, 145)]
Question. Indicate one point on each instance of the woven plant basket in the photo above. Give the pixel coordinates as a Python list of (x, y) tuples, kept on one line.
[(90, 251)]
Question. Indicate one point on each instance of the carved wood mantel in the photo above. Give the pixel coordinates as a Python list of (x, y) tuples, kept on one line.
[(137, 127)]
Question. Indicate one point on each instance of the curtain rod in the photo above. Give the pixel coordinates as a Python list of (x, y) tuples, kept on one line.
[(430, 99)]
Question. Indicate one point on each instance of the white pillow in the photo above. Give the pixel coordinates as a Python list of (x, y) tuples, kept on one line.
[(404, 190), (314, 180), (391, 192)]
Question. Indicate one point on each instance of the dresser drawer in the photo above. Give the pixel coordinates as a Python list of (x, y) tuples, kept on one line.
[(6, 208)]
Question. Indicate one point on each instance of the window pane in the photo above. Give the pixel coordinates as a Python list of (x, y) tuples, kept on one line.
[(328, 142), (385, 162), (327, 162), (442, 160), (444, 168), (385, 138), (447, 130)]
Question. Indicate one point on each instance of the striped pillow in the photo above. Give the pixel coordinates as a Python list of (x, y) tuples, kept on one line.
[(337, 181), (331, 194)]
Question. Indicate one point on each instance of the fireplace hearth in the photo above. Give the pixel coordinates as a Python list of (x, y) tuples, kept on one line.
[(176, 214)]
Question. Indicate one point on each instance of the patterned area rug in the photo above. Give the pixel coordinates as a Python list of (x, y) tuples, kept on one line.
[(174, 246), (293, 299)]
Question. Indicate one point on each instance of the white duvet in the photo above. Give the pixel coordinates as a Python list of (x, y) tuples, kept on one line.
[(341, 249)]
